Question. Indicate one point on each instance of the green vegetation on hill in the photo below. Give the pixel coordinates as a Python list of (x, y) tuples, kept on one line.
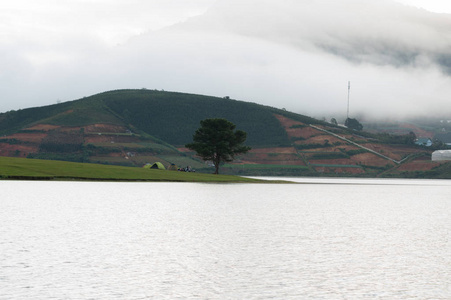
[(168, 116), (74, 113), (15, 120), (84, 112), (174, 117)]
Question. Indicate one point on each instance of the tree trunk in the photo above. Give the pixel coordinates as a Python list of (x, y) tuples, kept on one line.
[(216, 162), (216, 168)]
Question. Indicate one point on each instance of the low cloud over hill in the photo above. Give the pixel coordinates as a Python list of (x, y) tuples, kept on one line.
[(285, 53)]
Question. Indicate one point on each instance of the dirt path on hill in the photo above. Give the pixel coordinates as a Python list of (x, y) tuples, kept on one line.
[(360, 146)]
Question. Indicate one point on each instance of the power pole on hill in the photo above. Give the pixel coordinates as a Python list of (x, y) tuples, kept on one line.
[(349, 90)]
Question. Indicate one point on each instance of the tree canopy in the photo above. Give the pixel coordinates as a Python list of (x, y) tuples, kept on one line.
[(353, 124), (218, 141)]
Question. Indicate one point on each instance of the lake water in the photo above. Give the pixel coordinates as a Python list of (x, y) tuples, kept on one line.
[(324, 239)]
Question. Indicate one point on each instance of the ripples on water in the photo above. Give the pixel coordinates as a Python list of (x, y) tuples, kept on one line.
[(381, 240)]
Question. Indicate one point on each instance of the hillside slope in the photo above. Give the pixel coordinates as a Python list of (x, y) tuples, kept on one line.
[(134, 127), (169, 116)]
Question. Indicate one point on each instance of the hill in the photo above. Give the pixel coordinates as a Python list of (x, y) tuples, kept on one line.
[(134, 127)]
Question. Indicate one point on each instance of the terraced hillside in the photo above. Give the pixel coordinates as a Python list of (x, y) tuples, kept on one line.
[(329, 150), (134, 127)]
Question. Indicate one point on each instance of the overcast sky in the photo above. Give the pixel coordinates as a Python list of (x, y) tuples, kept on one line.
[(293, 54)]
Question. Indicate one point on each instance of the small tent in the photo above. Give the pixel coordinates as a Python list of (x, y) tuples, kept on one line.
[(158, 165)]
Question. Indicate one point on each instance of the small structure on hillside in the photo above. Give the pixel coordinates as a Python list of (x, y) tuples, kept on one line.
[(444, 137), (423, 142), (441, 155)]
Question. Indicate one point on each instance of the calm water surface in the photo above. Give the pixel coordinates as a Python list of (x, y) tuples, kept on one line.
[(325, 239)]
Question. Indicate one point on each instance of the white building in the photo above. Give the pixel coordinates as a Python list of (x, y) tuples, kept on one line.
[(424, 142), (441, 155)]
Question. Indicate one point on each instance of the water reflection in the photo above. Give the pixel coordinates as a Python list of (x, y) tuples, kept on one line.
[(64, 240)]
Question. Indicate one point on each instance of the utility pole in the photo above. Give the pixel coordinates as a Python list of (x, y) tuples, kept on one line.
[(349, 90)]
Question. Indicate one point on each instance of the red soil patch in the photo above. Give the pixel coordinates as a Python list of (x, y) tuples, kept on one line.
[(370, 159), (299, 132), (115, 154), (345, 147), (274, 150), (93, 139), (43, 127), (11, 150), (97, 139), (278, 162), (274, 158), (418, 165), (28, 137), (322, 149), (184, 150), (337, 161), (69, 129), (321, 139), (384, 150), (286, 122), (339, 170), (355, 138), (394, 152), (306, 132), (106, 128)]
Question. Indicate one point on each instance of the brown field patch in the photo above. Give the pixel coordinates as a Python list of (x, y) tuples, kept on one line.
[(69, 130), (345, 147), (419, 165), (322, 149), (279, 150), (28, 137), (275, 162), (321, 139), (394, 152), (338, 161), (13, 150), (43, 127), (243, 162), (384, 150), (97, 139), (299, 132), (355, 138), (105, 128), (371, 159), (306, 132), (286, 122), (339, 170), (271, 158), (184, 150)]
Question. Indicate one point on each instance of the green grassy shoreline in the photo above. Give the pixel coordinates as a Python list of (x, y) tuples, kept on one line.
[(36, 169)]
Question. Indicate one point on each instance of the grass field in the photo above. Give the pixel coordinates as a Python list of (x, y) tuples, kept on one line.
[(35, 169)]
